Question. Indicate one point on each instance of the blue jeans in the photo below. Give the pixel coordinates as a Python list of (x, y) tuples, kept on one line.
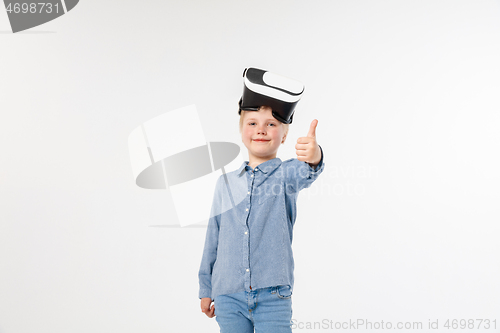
[(266, 309)]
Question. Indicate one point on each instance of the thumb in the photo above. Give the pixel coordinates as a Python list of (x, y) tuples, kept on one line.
[(312, 129)]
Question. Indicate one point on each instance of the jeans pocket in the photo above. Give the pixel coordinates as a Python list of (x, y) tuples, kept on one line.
[(284, 291)]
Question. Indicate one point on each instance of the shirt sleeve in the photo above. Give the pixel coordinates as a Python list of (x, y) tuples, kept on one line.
[(211, 242), (300, 175)]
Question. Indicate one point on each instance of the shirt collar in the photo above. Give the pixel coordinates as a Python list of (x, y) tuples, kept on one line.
[(266, 167)]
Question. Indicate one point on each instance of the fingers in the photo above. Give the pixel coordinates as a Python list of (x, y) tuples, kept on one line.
[(307, 147), (210, 313), (303, 159), (302, 146), (305, 140), (305, 152), (312, 129), (205, 308)]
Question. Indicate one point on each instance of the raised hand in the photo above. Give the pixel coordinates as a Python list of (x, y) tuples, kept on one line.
[(307, 148)]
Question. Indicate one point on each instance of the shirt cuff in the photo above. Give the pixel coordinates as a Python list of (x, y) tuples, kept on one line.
[(320, 164), (205, 293)]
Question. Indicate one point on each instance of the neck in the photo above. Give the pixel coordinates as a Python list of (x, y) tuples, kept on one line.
[(255, 160)]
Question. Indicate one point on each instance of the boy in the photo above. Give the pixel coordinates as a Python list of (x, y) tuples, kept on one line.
[(247, 264)]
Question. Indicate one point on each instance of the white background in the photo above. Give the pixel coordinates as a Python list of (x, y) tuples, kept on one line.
[(403, 225)]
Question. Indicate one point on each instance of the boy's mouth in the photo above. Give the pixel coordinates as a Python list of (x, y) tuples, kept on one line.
[(260, 140)]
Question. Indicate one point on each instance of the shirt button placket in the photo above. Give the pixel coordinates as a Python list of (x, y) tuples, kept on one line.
[(247, 239)]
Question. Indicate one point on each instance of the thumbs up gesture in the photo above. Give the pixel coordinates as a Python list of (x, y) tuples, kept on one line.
[(307, 148)]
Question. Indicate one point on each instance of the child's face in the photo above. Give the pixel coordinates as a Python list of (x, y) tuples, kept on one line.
[(261, 133)]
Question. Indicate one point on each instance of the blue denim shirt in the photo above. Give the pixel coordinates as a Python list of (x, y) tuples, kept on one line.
[(248, 244)]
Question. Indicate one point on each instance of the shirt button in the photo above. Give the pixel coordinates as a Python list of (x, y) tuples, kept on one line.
[(256, 169), (248, 192), (246, 232), (251, 175), (247, 209), (248, 270)]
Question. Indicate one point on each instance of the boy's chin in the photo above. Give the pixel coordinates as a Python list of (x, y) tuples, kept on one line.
[(263, 152)]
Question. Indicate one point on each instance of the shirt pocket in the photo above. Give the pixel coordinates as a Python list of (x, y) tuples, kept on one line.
[(268, 193)]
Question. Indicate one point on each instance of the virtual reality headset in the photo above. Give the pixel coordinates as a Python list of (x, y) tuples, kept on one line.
[(265, 88)]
